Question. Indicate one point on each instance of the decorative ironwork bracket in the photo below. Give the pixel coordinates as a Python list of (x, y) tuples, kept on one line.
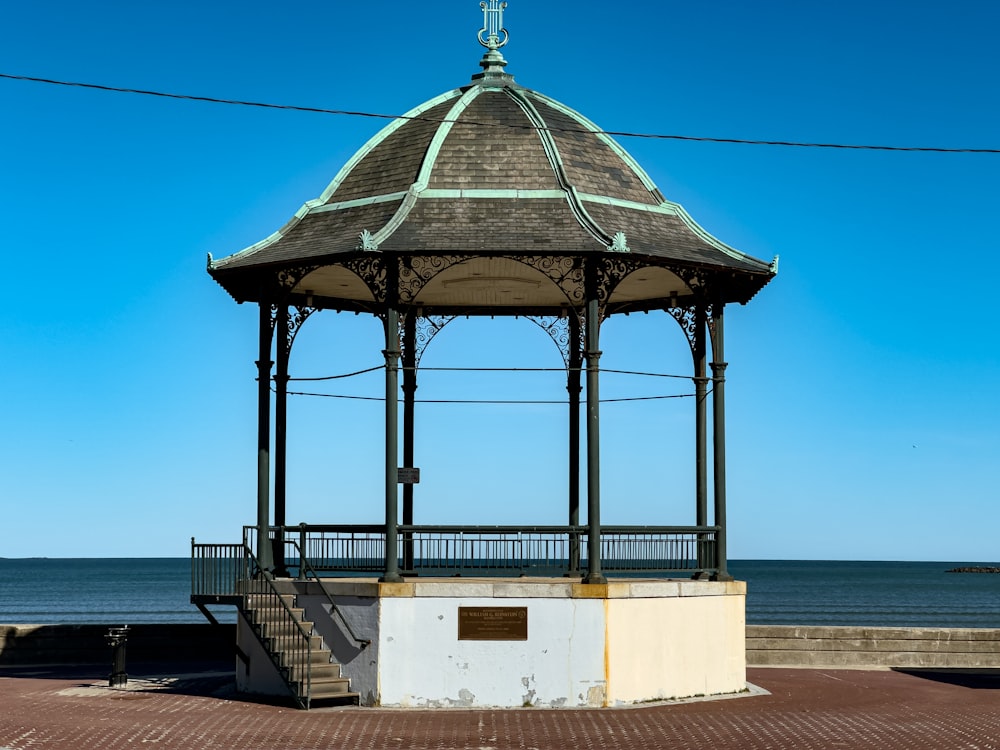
[(372, 270), (427, 327), (295, 323), (558, 329)]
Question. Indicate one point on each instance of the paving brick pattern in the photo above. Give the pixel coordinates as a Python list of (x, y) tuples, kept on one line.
[(805, 709)]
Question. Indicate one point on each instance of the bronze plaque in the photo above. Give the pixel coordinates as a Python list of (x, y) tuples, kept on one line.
[(492, 623)]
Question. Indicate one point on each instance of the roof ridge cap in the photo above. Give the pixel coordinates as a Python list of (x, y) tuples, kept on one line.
[(552, 153)]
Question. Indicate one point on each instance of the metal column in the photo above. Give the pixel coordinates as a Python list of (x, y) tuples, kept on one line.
[(280, 439), (391, 353), (719, 437), (409, 393), (573, 387), (593, 355), (264, 437), (701, 431)]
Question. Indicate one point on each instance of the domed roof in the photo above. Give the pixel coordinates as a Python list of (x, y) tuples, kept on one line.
[(489, 169)]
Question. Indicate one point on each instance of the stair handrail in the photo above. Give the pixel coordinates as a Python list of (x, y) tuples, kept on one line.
[(305, 565), (266, 576)]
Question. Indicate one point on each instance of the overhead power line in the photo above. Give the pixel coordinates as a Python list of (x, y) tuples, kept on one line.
[(615, 133), (491, 401)]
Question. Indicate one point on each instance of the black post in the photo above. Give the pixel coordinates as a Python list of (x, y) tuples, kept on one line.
[(409, 393), (593, 355), (391, 353), (280, 440), (719, 438), (117, 638), (701, 433), (573, 387), (264, 437)]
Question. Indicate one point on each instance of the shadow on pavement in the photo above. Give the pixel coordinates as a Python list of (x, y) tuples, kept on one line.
[(977, 679), (203, 678)]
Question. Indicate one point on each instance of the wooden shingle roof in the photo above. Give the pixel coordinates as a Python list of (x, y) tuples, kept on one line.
[(490, 168)]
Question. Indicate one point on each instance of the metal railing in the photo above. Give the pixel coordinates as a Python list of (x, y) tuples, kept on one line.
[(231, 574), (500, 550), (217, 571), (305, 571)]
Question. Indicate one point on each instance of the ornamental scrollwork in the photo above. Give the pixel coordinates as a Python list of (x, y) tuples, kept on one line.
[(619, 244), (366, 242), (295, 322), (565, 272), (426, 329), (289, 277), (687, 319), (372, 271), (416, 272), (610, 272), (558, 329)]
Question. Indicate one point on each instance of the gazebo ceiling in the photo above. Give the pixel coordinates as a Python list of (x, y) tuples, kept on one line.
[(489, 186)]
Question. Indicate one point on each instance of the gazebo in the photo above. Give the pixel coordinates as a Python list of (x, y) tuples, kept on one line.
[(491, 200)]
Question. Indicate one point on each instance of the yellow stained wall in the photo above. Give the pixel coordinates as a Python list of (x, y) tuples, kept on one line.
[(675, 647)]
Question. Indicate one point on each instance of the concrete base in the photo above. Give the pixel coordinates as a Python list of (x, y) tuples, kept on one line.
[(586, 645)]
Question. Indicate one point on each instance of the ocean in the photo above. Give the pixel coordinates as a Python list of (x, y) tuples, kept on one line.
[(779, 592)]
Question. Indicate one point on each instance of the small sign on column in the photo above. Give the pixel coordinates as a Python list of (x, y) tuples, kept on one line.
[(408, 475)]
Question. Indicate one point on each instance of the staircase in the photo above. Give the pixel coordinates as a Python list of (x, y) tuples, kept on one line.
[(302, 659)]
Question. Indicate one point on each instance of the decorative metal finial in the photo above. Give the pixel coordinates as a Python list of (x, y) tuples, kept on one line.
[(493, 35)]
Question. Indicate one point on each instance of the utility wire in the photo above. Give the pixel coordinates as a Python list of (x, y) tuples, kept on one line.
[(615, 133), (491, 369), (500, 402)]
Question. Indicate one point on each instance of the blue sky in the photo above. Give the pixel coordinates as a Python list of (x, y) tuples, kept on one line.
[(862, 395)]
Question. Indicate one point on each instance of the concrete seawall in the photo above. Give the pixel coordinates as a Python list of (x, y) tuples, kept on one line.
[(801, 646), (766, 645), (24, 645)]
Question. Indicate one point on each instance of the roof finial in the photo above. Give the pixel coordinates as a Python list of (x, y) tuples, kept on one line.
[(489, 35), (493, 36)]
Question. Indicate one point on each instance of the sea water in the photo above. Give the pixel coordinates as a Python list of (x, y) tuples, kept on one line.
[(779, 592)]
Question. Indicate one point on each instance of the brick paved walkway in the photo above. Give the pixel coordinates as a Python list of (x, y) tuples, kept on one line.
[(805, 709)]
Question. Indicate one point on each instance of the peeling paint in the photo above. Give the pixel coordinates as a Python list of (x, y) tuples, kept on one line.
[(528, 699), (596, 696)]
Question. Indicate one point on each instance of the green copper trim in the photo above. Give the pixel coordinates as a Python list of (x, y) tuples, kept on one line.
[(384, 133), (669, 208), (370, 201), (608, 140), (555, 160), (316, 203), (507, 194), (423, 177), (666, 208), (434, 149)]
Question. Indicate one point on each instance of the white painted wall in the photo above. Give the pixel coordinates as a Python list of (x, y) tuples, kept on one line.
[(422, 662)]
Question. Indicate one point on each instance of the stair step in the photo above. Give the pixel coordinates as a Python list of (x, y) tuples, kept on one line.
[(320, 673), (284, 639), (330, 688), (318, 656), (286, 629), (260, 600), (278, 615), (337, 699)]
